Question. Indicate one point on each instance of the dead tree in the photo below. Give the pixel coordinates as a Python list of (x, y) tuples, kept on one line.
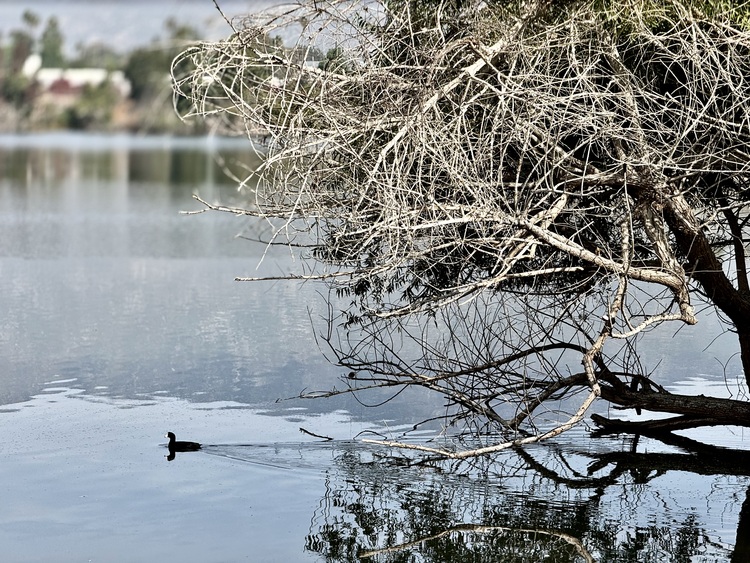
[(503, 197)]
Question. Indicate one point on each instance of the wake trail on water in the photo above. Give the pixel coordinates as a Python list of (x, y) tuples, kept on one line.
[(291, 456)]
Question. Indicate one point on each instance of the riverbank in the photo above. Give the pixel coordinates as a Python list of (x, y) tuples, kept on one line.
[(124, 116)]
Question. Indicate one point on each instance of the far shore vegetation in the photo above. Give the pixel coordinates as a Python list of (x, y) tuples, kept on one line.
[(98, 88)]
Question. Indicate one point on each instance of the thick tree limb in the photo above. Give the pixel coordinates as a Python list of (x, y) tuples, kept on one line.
[(698, 410)]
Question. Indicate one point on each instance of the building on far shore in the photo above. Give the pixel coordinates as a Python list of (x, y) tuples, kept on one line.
[(68, 82), (59, 92)]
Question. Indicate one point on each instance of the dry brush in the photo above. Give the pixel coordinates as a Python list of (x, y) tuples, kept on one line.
[(504, 197)]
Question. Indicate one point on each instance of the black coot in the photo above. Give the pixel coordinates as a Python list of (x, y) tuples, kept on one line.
[(175, 446)]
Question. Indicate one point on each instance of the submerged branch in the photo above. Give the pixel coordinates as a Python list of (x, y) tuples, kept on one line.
[(484, 529)]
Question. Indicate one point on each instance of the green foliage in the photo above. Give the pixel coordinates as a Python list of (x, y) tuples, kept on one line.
[(14, 89), (93, 109), (51, 44), (148, 68), (30, 19), (335, 61)]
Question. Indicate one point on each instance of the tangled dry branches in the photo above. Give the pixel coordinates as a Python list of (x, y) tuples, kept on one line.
[(517, 188)]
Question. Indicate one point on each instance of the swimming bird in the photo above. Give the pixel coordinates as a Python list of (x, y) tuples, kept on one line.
[(175, 446)]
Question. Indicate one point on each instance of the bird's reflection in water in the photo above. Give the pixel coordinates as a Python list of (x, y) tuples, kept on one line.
[(173, 453)]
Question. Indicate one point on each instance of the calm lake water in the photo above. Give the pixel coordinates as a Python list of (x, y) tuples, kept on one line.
[(120, 320)]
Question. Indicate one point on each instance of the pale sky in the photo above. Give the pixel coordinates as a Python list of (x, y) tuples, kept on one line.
[(124, 24)]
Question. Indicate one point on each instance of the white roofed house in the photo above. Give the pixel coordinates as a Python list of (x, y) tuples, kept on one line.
[(78, 78), (60, 89)]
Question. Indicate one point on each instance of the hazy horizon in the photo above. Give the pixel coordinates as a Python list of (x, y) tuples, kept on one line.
[(124, 26)]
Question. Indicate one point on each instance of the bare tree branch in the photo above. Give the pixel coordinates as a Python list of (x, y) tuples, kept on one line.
[(501, 194)]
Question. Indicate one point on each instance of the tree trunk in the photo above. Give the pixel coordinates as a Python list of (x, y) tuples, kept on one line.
[(707, 270)]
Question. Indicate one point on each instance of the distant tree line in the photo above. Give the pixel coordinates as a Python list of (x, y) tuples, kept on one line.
[(149, 105)]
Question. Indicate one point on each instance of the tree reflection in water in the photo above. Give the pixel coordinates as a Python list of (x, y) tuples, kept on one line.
[(539, 504)]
